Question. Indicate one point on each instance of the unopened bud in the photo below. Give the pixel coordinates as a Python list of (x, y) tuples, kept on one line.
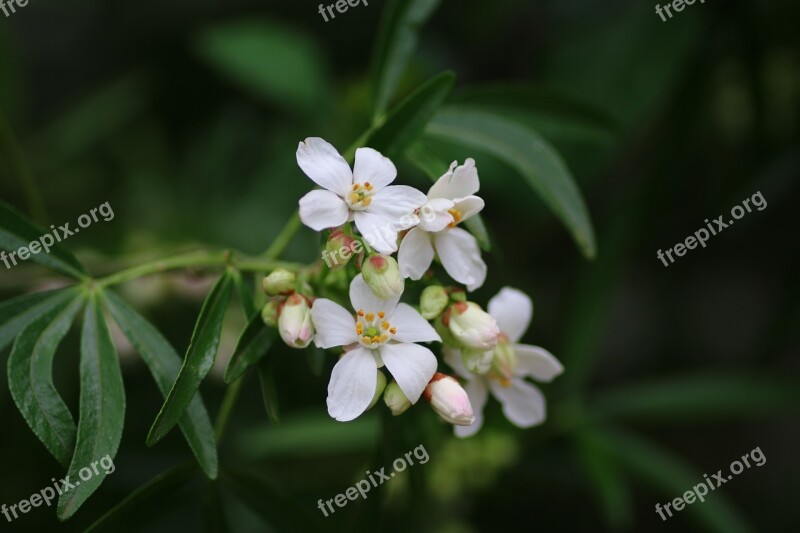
[(379, 389), (270, 312), (433, 301), (504, 362), (476, 360), (449, 399), (395, 399), (280, 281), (294, 323), (472, 326), (339, 249), (383, 276)]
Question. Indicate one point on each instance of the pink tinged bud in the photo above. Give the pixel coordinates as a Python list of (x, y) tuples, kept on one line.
[(294, 322), (472, 326), (339, 249), (449, 399), (382, 274)]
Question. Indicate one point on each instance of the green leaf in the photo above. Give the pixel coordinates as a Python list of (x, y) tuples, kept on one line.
[(612, 488), (407, 121), (396, 42), (17, 313), (165, 364), (102, 409), (198, 361), (160, 487), (16, 231), (244, 294), (528, 153), (253, 344), (272, 61), (671, 476), (422, 157), (30, 378), (701, 397), (269, 393), (553, 113)]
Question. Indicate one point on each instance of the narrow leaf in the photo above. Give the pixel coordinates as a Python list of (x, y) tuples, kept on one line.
[(269, 393), (30, 378), (253, 344), (102, 410), (165, 364), (16, 232), (396, 42), (244, 294), (528, 153), (198, 361), (407, 121), (17, 313)]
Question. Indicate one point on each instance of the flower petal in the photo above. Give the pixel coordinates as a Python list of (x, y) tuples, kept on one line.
[(411, 365), (452, 356), (378, 230), (363, 298), (434, 216), (322, 163), (461, 257), (537, 363), (523, 404), (478, 394), (398, 202), (323, 209), (458, 182), (470, 206), (371, 166), (415, 255), (513, 310), (334, 324), (411, 327), (352, 385)]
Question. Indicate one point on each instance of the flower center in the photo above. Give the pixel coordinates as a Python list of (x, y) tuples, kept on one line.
[(373, 331), (504, 361), (360, 196), (458, 216)]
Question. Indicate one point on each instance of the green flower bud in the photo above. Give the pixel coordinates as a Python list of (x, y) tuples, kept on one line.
[(339, 249), (395, 399), (280, 281), (379, 389), (433, 301), (472, 326), (270, 313), (383, 276), (476, 360)]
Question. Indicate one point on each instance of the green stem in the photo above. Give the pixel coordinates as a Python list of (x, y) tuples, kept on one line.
[(225, 410), (284, 237)]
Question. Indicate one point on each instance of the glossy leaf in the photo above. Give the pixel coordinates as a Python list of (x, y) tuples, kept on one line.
[(528, 153), (164, 364), (406, 122), (30, 378), (17, 313), (198, 361), (396, 42), (16, 231), (269, 392), (102, 410), (253, 344)]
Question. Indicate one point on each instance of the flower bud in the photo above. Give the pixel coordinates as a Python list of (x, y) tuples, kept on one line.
[(379, 389), (395, 399), (433, 301), (449, 399), (294, 322), (476, 360), (383, 276), (339, 249), (270, 312), (472, 326), (280, 281), (504, 362)]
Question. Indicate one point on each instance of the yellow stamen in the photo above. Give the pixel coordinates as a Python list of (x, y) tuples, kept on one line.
[(366, 340), (370, 317), (385, 325), (360, 312), (393, 331), (381, 314), (457, 217), (376, 338), (368, 186), (384, 338), (366, 201), (354, 198)]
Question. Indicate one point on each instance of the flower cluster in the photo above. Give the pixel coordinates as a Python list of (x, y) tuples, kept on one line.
[(368, 219)]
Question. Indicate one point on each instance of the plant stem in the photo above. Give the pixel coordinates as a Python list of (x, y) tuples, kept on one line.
[(225, 410), (284, 237)]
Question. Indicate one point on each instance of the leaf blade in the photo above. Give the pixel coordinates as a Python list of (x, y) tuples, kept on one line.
[(102, 408), (253, 344), (18, 312), (198, 361), (528, 153), (164, 364)]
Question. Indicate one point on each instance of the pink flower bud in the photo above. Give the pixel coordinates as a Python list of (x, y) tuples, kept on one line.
[(294, 322), (449, 399), (472, 326)]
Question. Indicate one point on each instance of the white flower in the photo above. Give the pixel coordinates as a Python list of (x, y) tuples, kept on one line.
[(523, 404), (382, 332), (363, 195), (451, 200)]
